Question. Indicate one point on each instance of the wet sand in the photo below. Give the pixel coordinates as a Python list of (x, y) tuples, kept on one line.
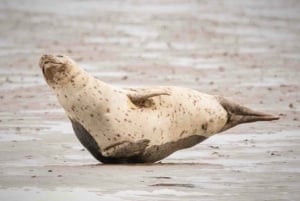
[(248, 51)]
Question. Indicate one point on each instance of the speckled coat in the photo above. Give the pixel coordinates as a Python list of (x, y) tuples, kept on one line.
[(138, 125), (110, 117)]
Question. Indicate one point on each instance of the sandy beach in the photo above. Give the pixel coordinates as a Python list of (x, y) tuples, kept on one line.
[(247, 51)]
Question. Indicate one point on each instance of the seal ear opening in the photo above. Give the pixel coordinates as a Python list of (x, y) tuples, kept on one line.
[(238, 114)]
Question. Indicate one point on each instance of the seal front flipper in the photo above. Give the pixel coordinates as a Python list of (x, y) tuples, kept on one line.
[(140, 97), (87, 140), (124, 152), (126, 149)]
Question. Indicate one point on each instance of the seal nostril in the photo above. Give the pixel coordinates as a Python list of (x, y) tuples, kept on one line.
[(59, 56)]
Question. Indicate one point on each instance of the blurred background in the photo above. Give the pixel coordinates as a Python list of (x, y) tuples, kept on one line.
[(246, 50)]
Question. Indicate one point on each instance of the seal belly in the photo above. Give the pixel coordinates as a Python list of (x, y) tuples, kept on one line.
[(91, 145), (152, 153), (157, 152)]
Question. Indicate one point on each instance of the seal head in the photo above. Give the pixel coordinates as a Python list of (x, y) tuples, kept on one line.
[(56, 69)]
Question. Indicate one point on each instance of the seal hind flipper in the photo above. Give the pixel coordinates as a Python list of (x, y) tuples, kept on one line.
[(126, 149), (238, 114)]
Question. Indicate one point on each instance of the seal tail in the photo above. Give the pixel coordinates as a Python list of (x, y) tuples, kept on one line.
[(238, 114)]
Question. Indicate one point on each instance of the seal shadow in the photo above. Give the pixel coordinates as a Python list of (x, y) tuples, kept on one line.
[(173, 185), (158, 164)]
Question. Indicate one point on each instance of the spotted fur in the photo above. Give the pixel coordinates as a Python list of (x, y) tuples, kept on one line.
[(137, 125)]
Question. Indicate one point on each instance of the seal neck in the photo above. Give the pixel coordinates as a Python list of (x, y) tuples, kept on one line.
[(80, 79)]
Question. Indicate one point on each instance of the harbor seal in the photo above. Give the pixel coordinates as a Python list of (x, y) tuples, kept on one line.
[(141, 125)]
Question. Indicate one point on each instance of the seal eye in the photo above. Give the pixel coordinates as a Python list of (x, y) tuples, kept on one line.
[(59, 56)]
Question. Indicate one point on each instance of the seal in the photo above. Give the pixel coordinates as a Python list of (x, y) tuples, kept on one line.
[(141, 125)]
